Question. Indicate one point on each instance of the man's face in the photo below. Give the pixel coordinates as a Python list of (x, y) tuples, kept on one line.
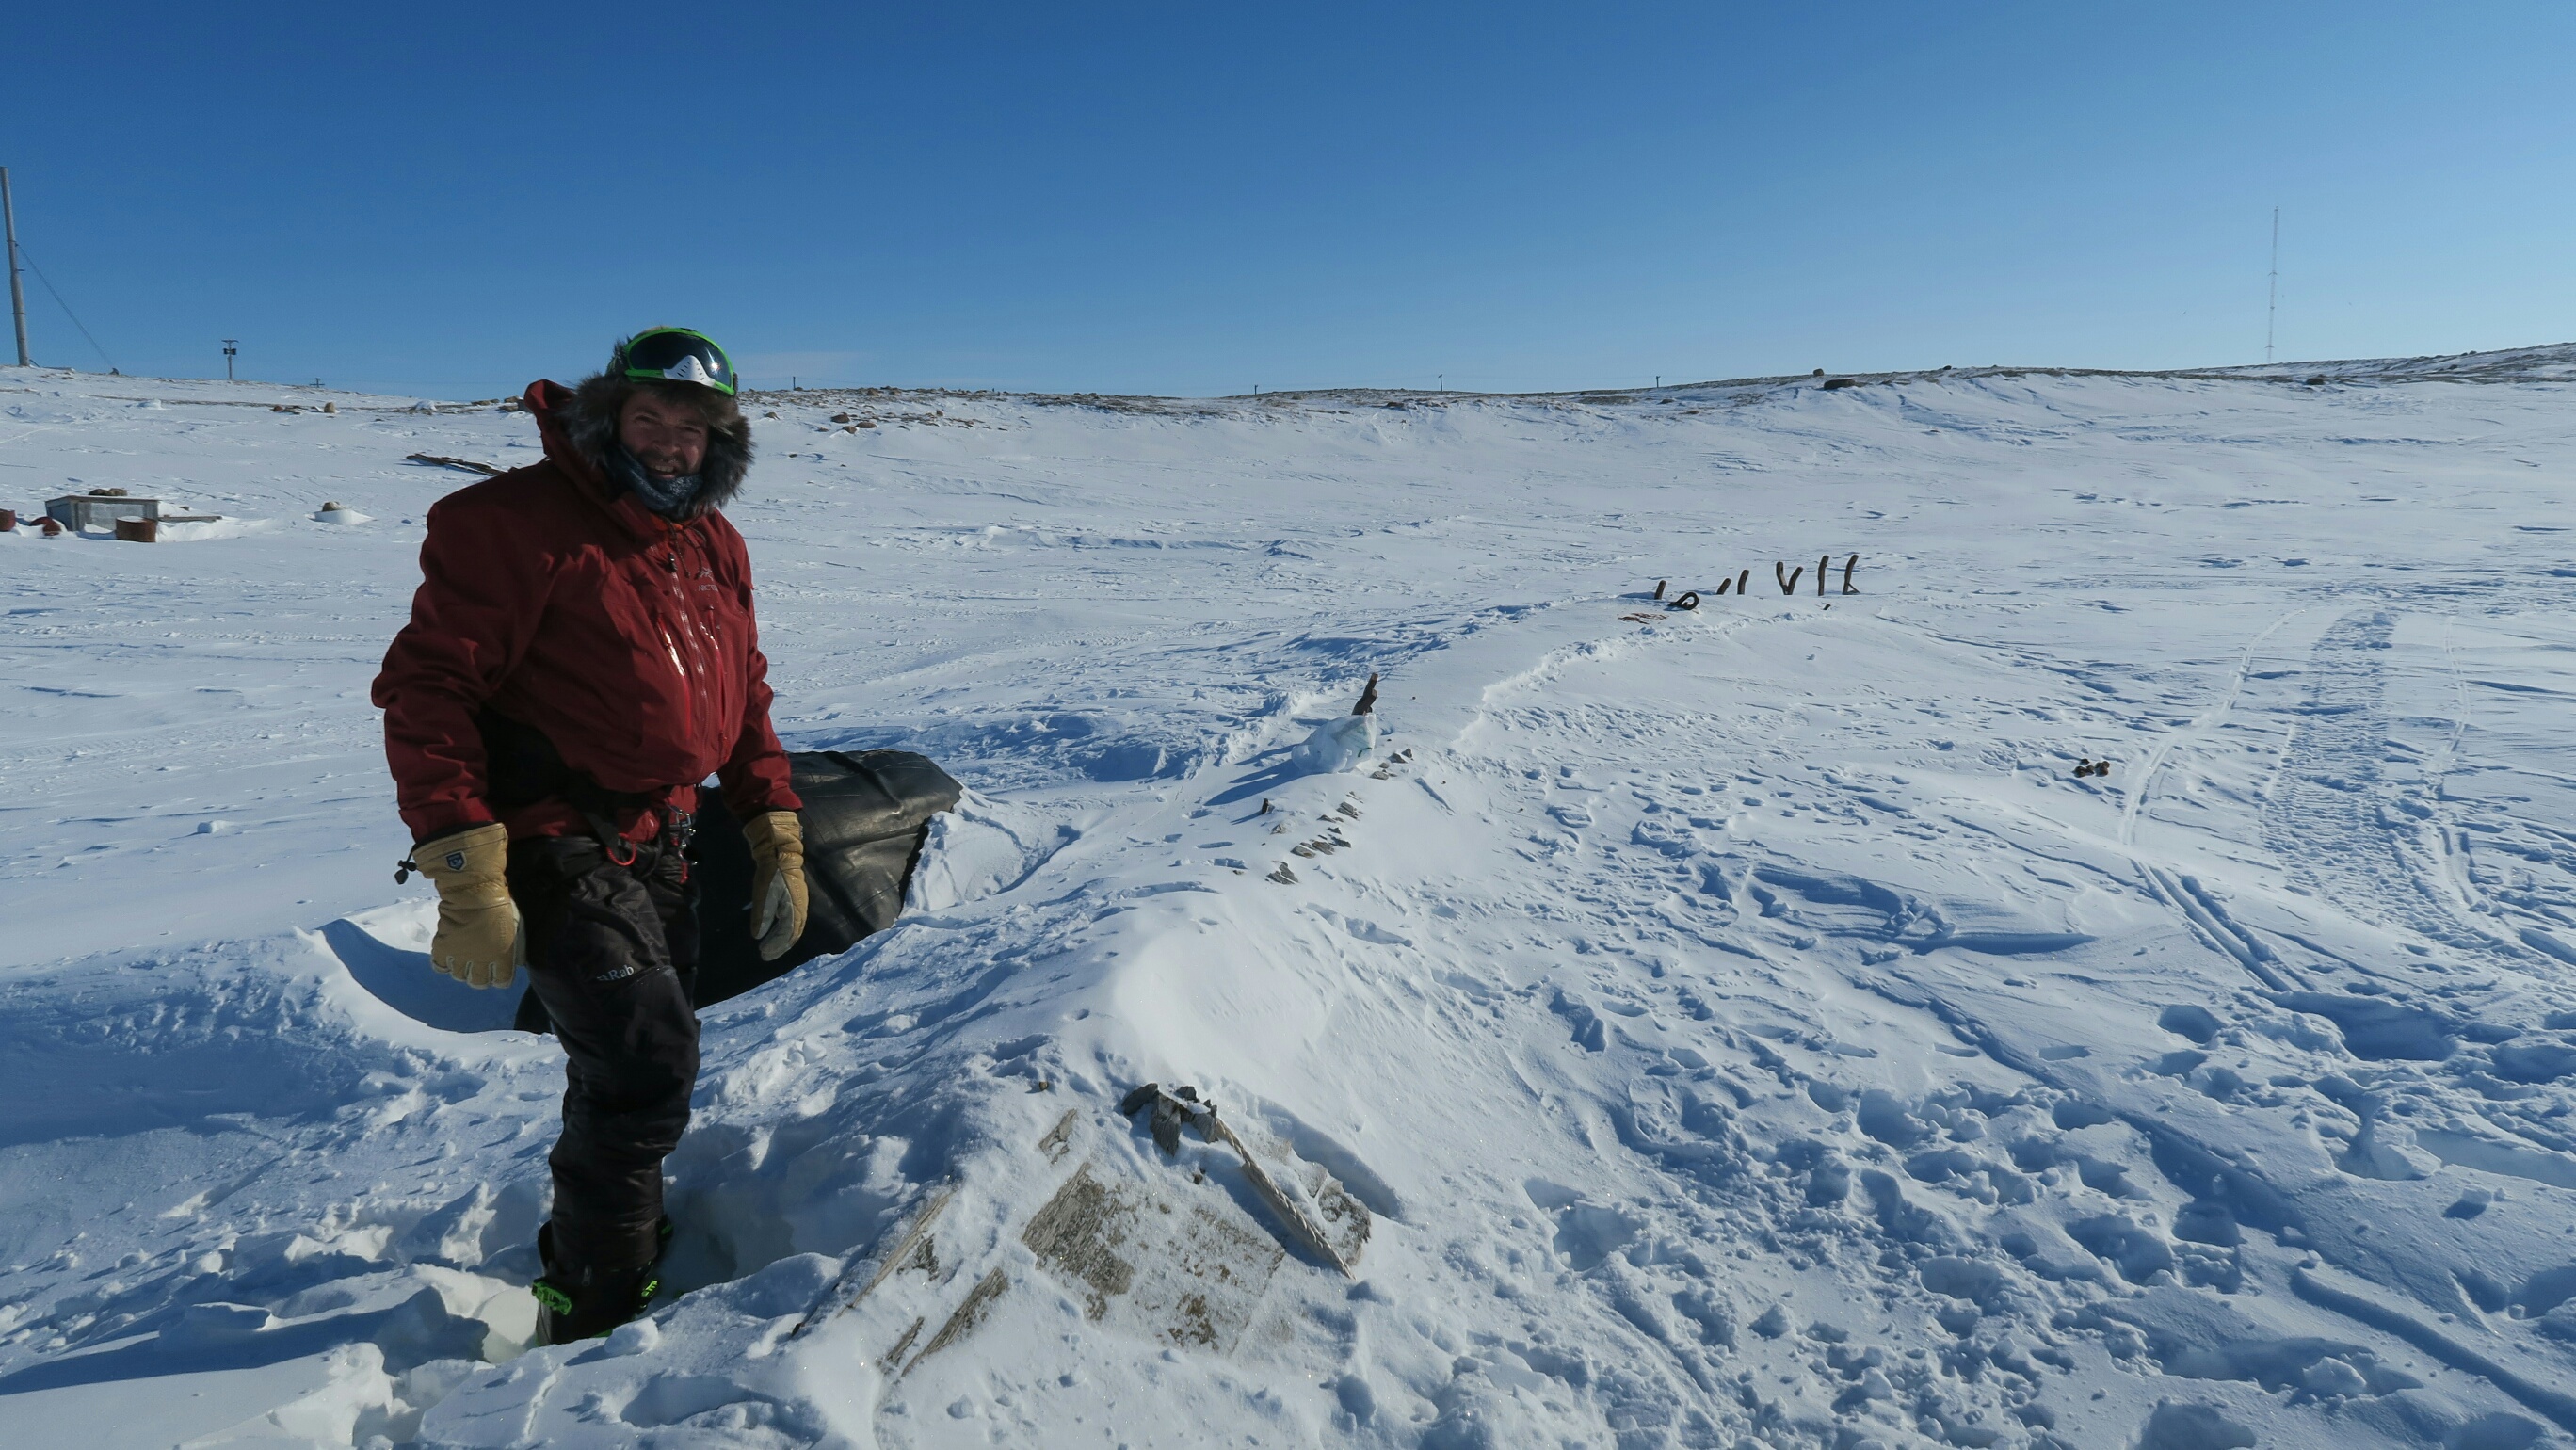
[(669, 438)]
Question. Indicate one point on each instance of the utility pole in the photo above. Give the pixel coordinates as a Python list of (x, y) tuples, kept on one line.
[(229, 350), (17, 289), (2272, 304)]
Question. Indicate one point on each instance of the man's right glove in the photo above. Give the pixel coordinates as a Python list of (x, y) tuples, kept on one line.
[(480, 939), (777, 841)]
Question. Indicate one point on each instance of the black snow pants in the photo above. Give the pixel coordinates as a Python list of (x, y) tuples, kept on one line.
[(611, 951)]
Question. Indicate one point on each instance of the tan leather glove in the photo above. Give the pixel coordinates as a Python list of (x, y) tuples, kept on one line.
[(480, 940), (777, 881)]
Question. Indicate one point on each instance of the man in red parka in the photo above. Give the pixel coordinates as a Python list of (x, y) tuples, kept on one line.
[(582, 654)]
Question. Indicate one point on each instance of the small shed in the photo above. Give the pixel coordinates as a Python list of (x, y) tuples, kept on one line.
[(78, 511)]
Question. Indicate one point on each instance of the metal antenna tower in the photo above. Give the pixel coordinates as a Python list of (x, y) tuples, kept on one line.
[(17, 289), (2272, 303)]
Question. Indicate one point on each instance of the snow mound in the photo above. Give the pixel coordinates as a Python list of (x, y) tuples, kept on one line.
[(1336, 745), (977, 848), (386, 951), (227, 528)]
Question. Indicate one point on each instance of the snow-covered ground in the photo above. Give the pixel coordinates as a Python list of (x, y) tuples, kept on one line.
[(1741, 1026)]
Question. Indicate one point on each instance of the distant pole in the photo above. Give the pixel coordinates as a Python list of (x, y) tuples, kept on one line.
[(17, 289), (2272, 304), (229, 350), (1444, 381)]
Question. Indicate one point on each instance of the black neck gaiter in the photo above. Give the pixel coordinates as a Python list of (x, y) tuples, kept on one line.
[(669, 497)]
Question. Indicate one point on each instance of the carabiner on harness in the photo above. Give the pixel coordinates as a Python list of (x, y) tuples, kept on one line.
[(679, 828)]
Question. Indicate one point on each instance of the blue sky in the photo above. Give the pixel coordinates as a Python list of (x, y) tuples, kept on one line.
[(1197, 199)]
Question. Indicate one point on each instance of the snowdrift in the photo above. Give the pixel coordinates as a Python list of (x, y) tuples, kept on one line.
[(1698, 1028)]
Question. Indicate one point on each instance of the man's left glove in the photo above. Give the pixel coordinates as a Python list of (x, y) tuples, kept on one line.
[(777, 842), (480, 939)]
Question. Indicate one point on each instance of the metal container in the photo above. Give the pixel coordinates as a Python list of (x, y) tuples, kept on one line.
[(138, 531), (99, 511)]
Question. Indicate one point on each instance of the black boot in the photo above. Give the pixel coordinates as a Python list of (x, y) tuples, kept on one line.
[(580, 1301)]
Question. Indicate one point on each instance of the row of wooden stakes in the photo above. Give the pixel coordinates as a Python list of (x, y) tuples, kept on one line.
[(1788, 578)]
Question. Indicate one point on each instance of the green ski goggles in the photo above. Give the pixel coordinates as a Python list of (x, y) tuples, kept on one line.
[(674, 355)]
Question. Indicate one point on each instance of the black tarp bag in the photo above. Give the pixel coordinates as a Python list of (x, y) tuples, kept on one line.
[(865, 817)]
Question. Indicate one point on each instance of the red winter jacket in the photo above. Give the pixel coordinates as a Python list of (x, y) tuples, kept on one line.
[(627, 639)]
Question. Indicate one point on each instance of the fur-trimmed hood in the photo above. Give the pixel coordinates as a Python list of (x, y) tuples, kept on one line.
[(589, 419)]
